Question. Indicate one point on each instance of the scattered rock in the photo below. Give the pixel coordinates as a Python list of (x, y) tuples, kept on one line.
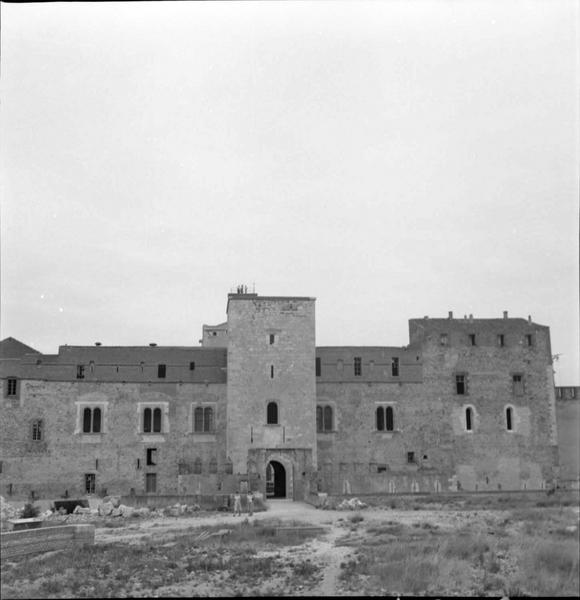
[(352, 504), (105, 509)]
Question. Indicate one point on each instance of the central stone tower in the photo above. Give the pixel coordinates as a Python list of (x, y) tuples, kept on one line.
[(271, 392)]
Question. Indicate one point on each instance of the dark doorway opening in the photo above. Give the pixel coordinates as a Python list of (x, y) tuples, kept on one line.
[(275, 480)]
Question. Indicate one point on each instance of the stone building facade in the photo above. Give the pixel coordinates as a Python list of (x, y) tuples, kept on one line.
[(467, 404)]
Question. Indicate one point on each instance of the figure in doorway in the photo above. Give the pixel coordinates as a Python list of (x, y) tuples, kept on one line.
[(250, 503)]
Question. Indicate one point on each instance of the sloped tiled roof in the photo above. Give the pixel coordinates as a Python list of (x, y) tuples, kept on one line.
[(13, 348)]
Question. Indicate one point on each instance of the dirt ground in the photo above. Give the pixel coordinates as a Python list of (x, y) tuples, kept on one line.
[(322, 551)]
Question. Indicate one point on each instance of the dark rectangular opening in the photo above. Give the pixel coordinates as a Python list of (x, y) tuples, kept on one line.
[(501, 340), (358, 366), (151, 456), (318, 366), (90, 480), (161, 371), (192, 366), (272, 339), (460, 384), (529, 339), (80, 371), (395, 366), (410, 457), (472, 339), (11, 386)]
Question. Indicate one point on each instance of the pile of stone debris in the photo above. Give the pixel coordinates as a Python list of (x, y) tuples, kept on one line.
[(7, 511), (352, 504)]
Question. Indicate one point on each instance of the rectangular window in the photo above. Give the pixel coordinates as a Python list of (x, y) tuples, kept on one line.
[(318, 366), (460, 384), (161, 371), (410, 457), (151, 457), (529, 339), (395, 366), (192, 366), (357, 366), (90, 481), (11, 386), (501, 340), (472, 339), (37, 430), (80, 371), (272, 339), (518, 385), (151, 483)]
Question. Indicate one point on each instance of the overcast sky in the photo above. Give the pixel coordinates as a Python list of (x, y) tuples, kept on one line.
[(392, 159)]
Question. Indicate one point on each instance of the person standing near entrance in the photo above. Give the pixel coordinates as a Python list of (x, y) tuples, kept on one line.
[(237, 504), (250, 503)]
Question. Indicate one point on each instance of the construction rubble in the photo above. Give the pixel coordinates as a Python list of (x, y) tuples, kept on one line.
[(352, 504)]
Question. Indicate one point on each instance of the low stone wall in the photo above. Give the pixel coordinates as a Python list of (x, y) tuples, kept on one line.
[(45, 539)]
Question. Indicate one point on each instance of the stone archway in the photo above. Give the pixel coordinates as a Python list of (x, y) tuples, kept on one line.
[(275, 480)]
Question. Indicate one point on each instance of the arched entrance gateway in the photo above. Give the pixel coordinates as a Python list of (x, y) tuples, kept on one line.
[(275, 480)]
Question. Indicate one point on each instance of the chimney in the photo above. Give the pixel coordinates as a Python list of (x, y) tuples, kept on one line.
[(153, 344), (470, 317), (505, 314), (529, 318), (451, 314), (97, 343)]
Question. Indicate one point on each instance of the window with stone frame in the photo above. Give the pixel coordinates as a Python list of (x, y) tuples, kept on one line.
[(518, 384), (152, 420), (203, 419), (272, 413), (385, 418), (324, 418), (461, 384), (92, 419)]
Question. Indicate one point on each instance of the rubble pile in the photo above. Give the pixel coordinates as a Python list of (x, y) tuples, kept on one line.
[(352, 504), (7, 511)]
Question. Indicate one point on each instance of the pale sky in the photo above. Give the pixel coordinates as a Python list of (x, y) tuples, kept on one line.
[(392, 159)]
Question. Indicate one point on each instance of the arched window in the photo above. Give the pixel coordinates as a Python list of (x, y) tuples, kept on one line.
[(319, 418), (380, 418), (272, 413), (328, 418), (389, 418), (468, 419), (92, 420), (96, 420), (147, 420), (208, 419), (508, 418), (198, 420), (157, 420), (87, 420)]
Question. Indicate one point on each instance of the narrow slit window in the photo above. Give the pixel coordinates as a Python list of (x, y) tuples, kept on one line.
[(468, 419), (318, 367), (357, 366), (508, 418), (319, 418), (395, 366), (271, 371)]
